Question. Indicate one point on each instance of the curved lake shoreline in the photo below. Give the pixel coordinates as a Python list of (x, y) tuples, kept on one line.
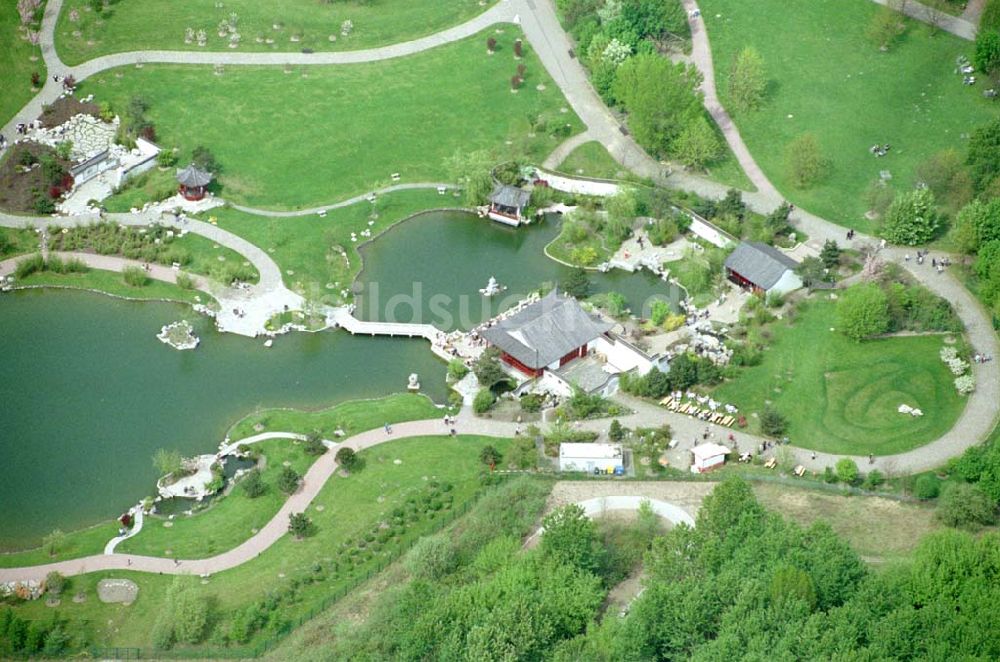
[(89, 394)]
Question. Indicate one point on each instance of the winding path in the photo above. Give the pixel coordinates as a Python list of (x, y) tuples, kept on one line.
[(543, 30), (243, 310)]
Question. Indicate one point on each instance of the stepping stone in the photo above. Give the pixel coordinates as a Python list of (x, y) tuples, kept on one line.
[(79, 598), (286, 463), (167, 525), (281, 575), (320, 509)]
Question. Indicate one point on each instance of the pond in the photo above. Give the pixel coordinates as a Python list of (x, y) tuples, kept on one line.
[(88, 394), (430, 269)]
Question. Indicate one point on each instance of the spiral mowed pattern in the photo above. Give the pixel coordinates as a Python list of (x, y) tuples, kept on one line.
[(843, 397)]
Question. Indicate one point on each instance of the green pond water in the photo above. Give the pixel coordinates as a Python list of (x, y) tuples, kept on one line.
[(430, 269), (87, 394)]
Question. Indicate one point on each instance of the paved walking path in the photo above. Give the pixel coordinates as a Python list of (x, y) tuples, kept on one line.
[(243, 310), (973, 11), (564, 149), (544, 32), (964, 26)]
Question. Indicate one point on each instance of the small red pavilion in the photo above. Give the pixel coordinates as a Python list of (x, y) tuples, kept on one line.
[(193, 182)]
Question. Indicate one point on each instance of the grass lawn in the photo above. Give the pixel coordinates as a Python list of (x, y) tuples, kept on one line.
[(349, 507), (840, 396), (191, 537), (343, 130), (16, 64), (308, 248), (160, 24), (17, 241), (591, 159), (352, 417), (154, 185), (229, 521), (111, 282), (77, 543), (878, 529), (827, 79)]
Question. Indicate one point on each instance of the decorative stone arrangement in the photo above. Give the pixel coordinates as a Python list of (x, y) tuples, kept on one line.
[(89, 135), (121, 591), (179, 335), (27, 590)]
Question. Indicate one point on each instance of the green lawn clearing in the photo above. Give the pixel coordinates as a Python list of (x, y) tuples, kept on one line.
[(316, 135), (829, 80), (228, 522), (112, 282), (17, 241), (152, 186), (310, 249), (591, 159), (289, 25), (351, 417), (83, 542), (302, 573), (842, 397), (18, 60)]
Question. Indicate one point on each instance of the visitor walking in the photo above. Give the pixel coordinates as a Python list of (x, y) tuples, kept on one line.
[(871, 458), (388, 430)]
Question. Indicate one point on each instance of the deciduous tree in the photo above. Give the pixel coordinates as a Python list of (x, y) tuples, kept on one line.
[(659, 97), (747, 80), (805, 161), (697, 145), (863, 312), (912, 219)]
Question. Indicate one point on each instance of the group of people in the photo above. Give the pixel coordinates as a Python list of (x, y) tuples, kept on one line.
[(938, 264), (450, 422), (982, 358), (850, 234), (880, 150)]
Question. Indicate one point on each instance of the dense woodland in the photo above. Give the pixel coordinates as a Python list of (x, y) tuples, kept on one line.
[(743, 584)]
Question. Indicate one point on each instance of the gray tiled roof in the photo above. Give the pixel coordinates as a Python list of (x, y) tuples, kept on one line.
[(193, 176), (759, 263), (509, 196), (586, 374), (545, 331)]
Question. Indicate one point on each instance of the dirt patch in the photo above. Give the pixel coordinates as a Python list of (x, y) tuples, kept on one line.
[(123, 591), (622, 595), (65, 108), (875, 527), (23, 179)]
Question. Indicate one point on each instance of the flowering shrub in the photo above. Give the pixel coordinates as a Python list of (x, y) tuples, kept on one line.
[(965, 384), (957, 366)]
